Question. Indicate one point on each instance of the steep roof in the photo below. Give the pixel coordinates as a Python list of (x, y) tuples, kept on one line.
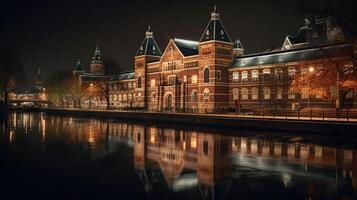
[(292, 55), (215, 30), (149, 46), (187, 47)]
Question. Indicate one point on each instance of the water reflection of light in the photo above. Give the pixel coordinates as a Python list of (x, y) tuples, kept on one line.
[(12, 135), (91, 138), (152, 135), (194, 140), (43, 128), (286, 179), (243, 145)]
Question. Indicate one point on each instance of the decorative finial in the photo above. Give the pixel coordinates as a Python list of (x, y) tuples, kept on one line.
[(149, 33), (78, 61), (214, 14)]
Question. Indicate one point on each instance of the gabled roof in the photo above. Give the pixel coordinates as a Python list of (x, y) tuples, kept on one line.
[(187, 47), (215, 30), (149, 46)]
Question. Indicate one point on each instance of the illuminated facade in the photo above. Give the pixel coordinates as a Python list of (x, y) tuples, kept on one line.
[(214, 74)]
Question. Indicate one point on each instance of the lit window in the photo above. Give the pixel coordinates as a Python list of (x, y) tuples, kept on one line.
[(291, 94), (266, 71), (194, 97), (244, 93), (255, 93), (120, 97), (266, 92), (235, 94), (171, 80), (194, 79), (206, 94), (152, 83), (304, 93), (185, 79), (255, 74), (235, 76), (291, 71), (244, 76)]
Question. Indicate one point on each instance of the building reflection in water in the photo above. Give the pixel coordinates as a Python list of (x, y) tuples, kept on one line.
[(211, 164)]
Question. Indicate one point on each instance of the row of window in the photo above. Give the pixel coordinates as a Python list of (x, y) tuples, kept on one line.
[(119, 97), (122, 86), (254, 93), (194, 96), (255, 74)]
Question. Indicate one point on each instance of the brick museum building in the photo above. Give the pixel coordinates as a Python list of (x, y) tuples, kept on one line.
[(214, 73)]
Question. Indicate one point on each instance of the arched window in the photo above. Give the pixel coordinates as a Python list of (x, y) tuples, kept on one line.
[(139, 82), (153, 96), (244, 75), (206, 75), (205, 147), (235, 94), (255, 74), (266, 71), (266, 92), (125, 97), (120, 97), (255, 93), (244, 93), (115, 97), (130, 97), (279, 93), (206, 94), (194, 97)]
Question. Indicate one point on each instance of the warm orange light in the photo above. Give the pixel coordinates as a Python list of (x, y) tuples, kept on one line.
[(91, 84), (311, 69), (194, 141)]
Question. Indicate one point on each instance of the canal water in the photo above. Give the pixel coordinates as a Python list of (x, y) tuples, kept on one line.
[(53, 157)]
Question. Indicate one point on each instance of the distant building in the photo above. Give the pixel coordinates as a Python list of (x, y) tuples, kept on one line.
[(214, 73)]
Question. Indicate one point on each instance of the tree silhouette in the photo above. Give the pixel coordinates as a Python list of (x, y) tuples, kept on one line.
[(11, 73)]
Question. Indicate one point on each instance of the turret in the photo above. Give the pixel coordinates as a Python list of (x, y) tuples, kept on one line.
[(78, 70), (238, 49), (97, 65), (148, 51)]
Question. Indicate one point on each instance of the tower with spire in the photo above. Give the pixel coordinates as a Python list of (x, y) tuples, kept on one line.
[(215, 57), (97, 65), (148, 52)]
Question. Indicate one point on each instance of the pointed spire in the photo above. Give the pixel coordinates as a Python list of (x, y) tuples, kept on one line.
[(39, 71), (78, 65)]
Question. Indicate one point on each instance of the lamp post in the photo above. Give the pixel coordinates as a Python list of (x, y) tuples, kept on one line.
[(311, 69)]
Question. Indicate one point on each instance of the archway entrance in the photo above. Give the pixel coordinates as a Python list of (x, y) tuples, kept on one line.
[(169, 101)]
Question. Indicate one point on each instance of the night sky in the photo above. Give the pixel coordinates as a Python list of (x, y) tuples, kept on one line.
[(51, 35)]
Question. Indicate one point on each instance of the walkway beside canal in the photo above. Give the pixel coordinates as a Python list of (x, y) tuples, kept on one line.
[(326, 126)]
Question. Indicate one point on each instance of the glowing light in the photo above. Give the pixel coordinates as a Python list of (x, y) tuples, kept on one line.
[(193, 141), (311, 69)]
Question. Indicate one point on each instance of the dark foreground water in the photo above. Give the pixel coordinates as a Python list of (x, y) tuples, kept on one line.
[(51, 157)]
